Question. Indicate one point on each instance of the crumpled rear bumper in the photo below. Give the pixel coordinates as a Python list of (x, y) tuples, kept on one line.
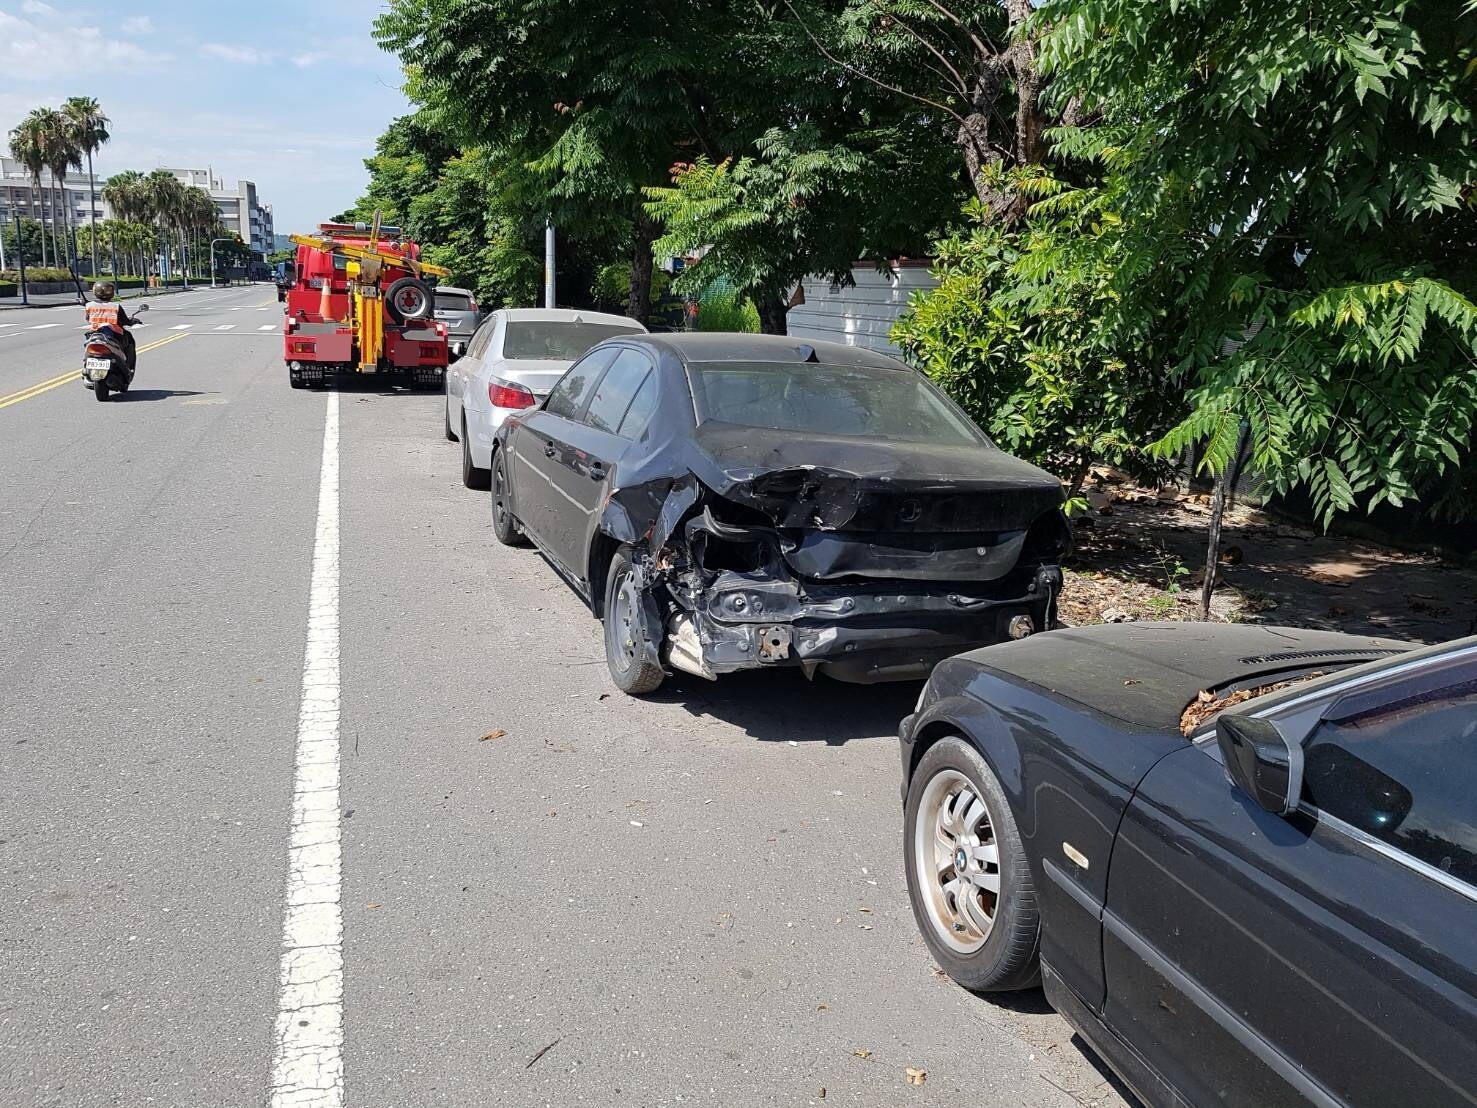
[(864, 633)]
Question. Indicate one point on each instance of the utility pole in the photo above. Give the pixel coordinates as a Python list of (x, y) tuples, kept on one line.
[(212, 259), (549, 262), (20, 253)]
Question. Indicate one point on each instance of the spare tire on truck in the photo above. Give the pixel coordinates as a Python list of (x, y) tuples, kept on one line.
[(409, 300)]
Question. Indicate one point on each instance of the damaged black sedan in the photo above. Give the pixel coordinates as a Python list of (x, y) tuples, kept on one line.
[(728, 502)]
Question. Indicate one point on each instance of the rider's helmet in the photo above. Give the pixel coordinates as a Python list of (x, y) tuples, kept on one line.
[(103, 290)]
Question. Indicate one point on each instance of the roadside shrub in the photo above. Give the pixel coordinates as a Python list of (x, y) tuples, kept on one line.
[(726, 311), (1021, 333), (9, 288), (37, 273)]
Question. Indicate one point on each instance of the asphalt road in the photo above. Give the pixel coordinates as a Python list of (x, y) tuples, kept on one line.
[(692, 899)]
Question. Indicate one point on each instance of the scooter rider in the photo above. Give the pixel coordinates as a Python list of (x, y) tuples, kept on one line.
[(105, 314)]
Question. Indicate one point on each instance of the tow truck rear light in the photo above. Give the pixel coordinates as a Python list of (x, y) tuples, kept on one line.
[(503, 395)]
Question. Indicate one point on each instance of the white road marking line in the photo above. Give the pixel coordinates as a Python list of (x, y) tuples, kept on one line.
[(268, 327), (268, 308), (226, 327), (307, 1054), (182, 326), (9, 324), (43, 326)]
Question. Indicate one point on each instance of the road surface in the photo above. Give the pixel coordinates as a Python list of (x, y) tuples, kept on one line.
[(255, 637)]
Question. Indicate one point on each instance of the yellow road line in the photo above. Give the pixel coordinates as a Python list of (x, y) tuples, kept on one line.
[(58, 382)]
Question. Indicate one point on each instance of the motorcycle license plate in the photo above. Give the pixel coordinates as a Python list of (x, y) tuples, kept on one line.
[(98, 363)]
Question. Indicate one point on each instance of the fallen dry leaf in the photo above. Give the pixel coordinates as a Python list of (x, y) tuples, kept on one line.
[(821, 1095), (822, 1007), (862, 1053), (916, 1077), (495, 733), (371, 905)]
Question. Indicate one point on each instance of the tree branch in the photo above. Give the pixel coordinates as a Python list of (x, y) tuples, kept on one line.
[(984, 46), (867, 76), (960, 83)]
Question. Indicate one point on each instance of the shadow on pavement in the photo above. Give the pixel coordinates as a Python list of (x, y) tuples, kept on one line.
[(782, 706), (133, 395)]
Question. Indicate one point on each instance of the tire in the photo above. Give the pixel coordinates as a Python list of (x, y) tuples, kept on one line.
[(504, 525), (937, 820), (100, 390), (473, 477), (410, 300), (296, 380), (634, 676), (446, 415)]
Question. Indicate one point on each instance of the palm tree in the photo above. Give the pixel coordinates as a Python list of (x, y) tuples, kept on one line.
[(62, 153), (28, 145), (89, 128), (165, 198), (124, 194)]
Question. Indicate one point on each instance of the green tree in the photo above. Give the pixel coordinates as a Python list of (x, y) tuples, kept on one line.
[(88, 128), (1297, 182)]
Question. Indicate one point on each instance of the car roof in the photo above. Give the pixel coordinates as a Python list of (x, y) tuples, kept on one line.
[(568, 315), (454, 289), (732, 346)]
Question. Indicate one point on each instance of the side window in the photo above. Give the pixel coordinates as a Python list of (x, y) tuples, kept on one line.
[(613, 395), (483, 336), (639, 414), (569, 394), (1401, 765)]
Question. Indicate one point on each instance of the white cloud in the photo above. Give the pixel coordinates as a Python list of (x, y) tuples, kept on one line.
[(138, 25), (241, 55), (35, 7), (312, 57), (29, 50)]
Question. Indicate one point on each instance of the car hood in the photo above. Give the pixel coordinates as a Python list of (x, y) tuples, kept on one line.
[(836, 483), (1145, 673)]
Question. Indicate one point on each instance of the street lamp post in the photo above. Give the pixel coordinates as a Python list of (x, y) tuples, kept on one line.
[(212, 259)]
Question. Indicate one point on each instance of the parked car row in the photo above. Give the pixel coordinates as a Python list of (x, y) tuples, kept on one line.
[(1242, 861)]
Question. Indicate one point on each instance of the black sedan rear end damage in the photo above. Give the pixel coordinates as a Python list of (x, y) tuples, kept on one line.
[(730, 502), (859, 578)]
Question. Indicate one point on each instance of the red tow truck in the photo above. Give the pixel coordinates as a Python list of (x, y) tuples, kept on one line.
[(359, 303)]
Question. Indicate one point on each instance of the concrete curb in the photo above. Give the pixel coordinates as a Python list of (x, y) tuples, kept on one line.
[(130, 294)]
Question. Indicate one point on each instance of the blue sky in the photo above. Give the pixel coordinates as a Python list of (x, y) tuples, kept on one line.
[(290, 95)]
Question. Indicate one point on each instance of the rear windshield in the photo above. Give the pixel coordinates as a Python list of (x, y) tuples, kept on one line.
[(810, 398), (453, 302), (556, 340)]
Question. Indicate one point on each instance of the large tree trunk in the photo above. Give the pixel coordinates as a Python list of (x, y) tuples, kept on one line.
[(773, 315), (639, 293)]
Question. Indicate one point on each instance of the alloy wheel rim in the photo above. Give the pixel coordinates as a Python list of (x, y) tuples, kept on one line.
[(957, 861)]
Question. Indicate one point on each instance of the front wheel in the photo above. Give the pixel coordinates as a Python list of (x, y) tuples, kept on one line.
[(472, 477), (625, 656), (504, 527), (968, 879)]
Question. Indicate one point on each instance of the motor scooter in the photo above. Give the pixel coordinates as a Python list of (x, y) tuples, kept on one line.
[(105, 368)]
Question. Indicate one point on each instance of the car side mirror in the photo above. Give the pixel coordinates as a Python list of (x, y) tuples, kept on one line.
[(1262, 762)]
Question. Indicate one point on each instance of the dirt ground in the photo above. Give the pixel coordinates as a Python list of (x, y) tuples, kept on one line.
[(1140, 555)]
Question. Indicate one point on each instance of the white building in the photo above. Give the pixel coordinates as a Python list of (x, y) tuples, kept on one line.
[(861, 313), (241, 209)]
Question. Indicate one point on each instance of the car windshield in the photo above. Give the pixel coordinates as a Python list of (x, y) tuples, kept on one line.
[(453, 302), (556, 340), (811, 398)]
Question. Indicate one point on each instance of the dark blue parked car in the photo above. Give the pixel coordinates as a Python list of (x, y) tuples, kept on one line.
[(1278, 908)]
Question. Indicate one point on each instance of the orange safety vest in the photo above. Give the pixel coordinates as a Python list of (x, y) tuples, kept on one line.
[(100, 315)]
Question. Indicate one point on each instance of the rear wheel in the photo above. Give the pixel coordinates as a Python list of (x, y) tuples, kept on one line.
[(504, 526), (100, 390), (625, 657), (446, 414), (472, 477), (967, 874), (295, 379)]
